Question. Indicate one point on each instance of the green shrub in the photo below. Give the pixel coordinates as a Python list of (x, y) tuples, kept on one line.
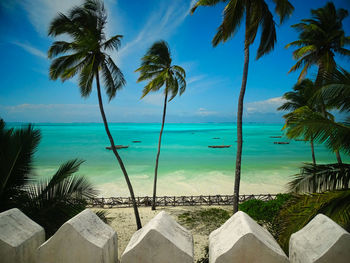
[(265, 212)]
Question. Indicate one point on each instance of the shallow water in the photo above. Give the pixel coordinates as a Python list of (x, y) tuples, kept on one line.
[(187, 165)]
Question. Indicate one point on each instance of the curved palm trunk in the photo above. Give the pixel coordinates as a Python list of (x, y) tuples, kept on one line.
[(239, 117), (313, 151), (158, 153), (137, 216)]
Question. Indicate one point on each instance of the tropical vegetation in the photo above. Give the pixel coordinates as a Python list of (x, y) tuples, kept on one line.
[(157, 68), (257, 16), (49, 201), (86, 56)]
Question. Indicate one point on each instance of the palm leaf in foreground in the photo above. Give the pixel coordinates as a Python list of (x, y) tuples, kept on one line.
[(51, 202), (320, 178), (297, 212)]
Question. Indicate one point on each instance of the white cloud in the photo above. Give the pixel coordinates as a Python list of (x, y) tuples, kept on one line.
[(161, 23), (156, 99), (30, 49), (193, 79), (264, 106), (203, 112), (41, 12)]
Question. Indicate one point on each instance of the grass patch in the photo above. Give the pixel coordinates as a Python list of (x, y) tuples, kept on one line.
[(204, 220)]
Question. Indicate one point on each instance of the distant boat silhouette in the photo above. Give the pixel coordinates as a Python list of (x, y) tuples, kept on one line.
[(281, 142), (136, 141), (118, 147), (219, 146), (275, 136)]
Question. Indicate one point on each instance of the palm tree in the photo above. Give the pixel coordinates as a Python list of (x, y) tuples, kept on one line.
[(86, 55), (157, 68), (320, 38), (300, 97), (326, 185), (257, 15), (50, 202)]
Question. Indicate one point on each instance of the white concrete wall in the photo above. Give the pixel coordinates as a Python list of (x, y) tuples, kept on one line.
[(240, 239), (321, 241), (84, 238), (19, 237), (162, 240)]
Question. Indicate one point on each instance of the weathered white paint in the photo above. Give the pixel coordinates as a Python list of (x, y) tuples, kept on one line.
[(84, 238), (241, 240), (162, 240), (19, 237), (320, 241)]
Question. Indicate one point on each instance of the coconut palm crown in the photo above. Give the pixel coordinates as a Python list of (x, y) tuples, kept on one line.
[(259, 16), (156, 67), (320, 38), (86, 54)]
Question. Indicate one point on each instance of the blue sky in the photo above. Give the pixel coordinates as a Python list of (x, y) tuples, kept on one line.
[(213, 74)]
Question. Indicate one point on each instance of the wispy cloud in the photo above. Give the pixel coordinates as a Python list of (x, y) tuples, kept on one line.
[(161, 23), (156, 99), (264, 106), (30, 49), (203, 112)]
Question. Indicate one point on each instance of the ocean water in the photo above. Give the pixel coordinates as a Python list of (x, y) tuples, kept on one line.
[(186, 167)]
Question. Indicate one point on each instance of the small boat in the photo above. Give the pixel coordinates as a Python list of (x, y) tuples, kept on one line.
[(275, 136), (219, 146), (216, 138), (281, 143), (118, 147), (136, 141)]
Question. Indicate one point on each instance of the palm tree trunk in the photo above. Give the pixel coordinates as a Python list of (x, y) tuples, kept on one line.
[(158, 153), (313, 151), (136, 212), (240, 115)]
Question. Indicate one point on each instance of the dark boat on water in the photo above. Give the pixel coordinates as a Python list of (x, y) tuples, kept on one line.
[(136, 141), (118, 147), (219, 146), (281, 142)]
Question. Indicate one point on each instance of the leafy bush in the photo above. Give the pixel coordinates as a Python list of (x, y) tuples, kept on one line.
[(265, 212)]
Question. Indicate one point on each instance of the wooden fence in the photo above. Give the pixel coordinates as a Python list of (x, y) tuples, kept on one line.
[(111, 202)]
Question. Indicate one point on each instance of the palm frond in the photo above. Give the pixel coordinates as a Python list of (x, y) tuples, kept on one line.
[(284, 9), (320, 178), (113, 43), (232, 18), (301, 209), (205, 3)]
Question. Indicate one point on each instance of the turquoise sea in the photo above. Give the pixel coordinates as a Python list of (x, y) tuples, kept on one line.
[(187, 165)]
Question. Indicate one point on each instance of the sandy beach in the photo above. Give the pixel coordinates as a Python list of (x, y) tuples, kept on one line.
[(122, 220)]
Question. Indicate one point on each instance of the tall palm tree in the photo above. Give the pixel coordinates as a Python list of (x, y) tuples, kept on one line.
[(86, 55), (320, 38), (50, 202), (257, 15), (300, 97), (157, 68)]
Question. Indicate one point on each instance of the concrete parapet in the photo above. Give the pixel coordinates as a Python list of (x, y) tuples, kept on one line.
[(19, 237), (84, 238), (241, 240), (320, 241), (162, 240)]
